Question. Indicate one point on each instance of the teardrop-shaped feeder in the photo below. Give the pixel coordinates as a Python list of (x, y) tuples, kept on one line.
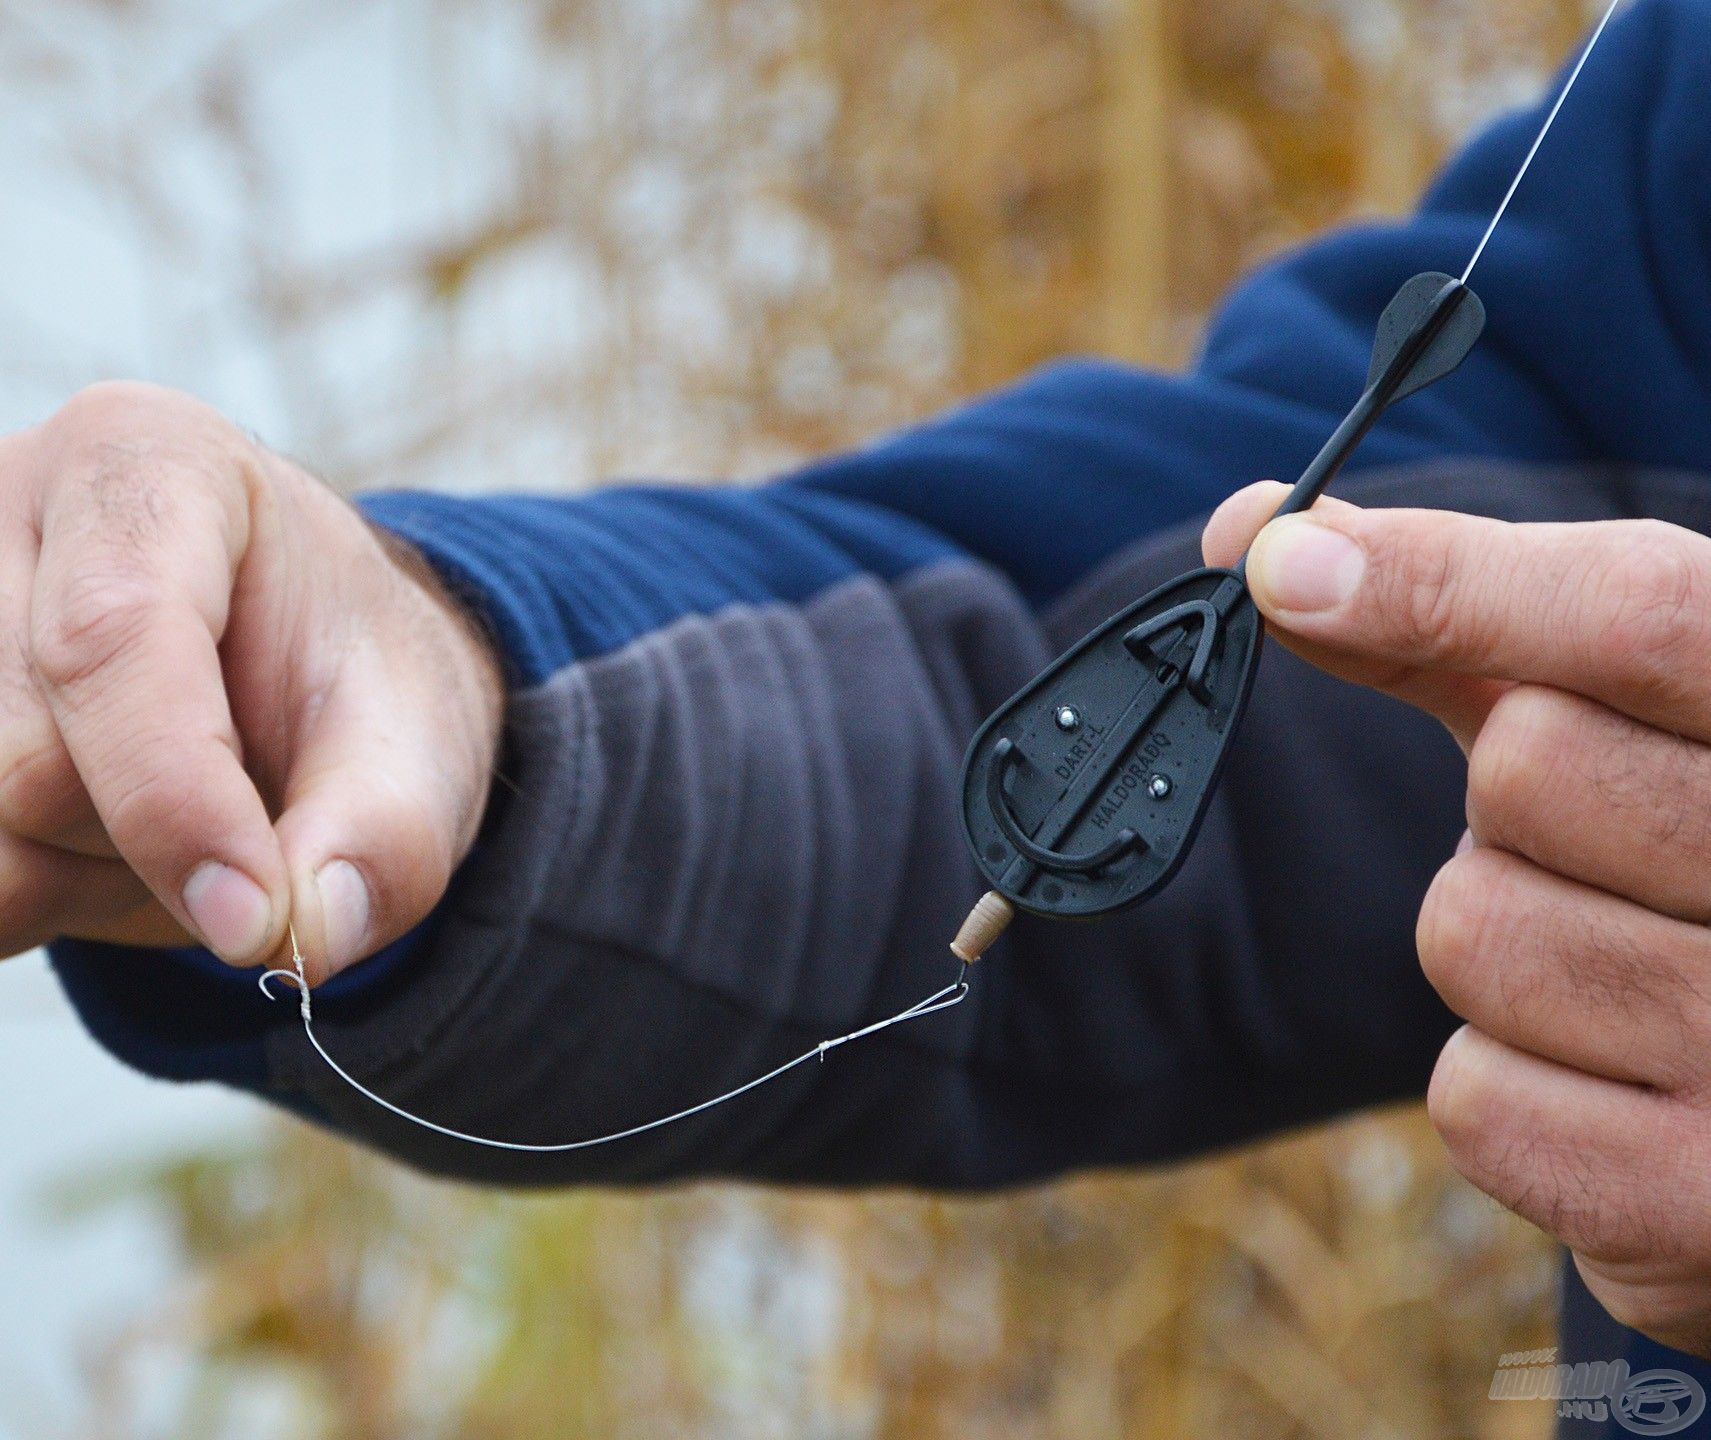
[(1083, 794)]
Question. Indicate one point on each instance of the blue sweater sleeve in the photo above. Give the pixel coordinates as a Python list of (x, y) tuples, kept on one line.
[(1600, 324), (1598, 287)]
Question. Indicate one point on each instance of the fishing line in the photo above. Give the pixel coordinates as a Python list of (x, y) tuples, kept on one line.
[(1539, 139), (948, 998)]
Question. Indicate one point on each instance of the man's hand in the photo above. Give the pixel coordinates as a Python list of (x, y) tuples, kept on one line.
[(224, 702), (1573, 663)]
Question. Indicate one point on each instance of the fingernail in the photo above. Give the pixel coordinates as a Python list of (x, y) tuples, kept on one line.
[(1298, 564), (230, 911), (344, 911), (1466, 842)]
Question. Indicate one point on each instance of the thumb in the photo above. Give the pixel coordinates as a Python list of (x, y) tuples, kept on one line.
[(1462, 702), (373, 826)]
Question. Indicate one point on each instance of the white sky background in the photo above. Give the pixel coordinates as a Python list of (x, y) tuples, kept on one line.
[(241, 198), (87, 292)]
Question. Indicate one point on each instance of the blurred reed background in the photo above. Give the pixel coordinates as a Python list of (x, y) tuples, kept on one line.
[(544, 243)]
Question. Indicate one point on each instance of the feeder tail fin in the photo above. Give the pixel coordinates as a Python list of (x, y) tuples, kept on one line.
[(1424, 334)]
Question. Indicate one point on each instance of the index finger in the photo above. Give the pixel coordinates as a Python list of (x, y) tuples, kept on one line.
[(1619, 611), (129, 603)]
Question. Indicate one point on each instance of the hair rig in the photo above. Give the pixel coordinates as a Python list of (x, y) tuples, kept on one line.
[(951, 995)]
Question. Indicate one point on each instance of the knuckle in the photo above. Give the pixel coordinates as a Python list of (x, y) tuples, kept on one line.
[(1689, 1051), (122, 441), (1611, 975), (1653, 593), (1582, 1194), (1653, 782), (1607, 1209), (118, 407), (1514, 755), (1492, 1148), (1455, 925), (1570, 1194), (413, 847), (1467, 1112), (147, 805), (89, 627), (1414, 589), (105, 405)]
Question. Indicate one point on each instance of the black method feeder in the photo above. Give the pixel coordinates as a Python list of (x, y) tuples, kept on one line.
[(1082, 795)]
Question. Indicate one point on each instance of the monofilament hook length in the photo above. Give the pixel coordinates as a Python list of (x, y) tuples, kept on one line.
[(949, 997)]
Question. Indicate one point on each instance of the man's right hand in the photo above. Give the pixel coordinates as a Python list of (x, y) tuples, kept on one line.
[(225, 702), (1573, 931)]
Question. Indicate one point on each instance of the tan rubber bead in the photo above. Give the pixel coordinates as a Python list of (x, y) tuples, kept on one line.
[(989, 919)]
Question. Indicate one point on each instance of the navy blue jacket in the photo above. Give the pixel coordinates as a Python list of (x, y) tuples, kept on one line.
[(737, 716)]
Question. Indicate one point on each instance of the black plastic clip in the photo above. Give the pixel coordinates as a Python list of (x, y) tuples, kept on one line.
[(1138, 642)]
